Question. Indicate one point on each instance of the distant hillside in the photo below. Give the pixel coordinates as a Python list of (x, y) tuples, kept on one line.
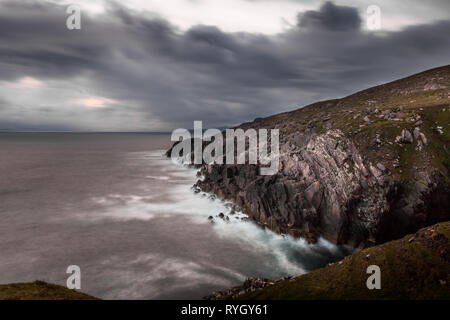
[(40, 290), (415, 267)]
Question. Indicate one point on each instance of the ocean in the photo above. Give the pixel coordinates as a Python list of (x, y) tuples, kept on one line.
[(114, 205)]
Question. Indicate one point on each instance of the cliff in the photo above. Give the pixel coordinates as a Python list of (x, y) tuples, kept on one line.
[(360, 170)]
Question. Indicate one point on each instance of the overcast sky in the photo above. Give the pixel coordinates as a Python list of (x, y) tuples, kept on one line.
[(157, 65)]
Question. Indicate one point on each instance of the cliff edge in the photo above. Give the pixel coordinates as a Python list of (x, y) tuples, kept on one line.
[(360, 170)]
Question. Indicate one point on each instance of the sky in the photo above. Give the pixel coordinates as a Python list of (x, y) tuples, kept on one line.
[(157, 65)]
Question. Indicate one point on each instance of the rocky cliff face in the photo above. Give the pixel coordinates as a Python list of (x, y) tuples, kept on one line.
[(360, 170)]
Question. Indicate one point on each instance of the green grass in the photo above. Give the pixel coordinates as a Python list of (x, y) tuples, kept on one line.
[(440, 143), (40, 290), (407, 94), (409, 270)]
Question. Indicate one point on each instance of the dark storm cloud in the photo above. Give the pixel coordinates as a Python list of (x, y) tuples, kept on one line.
[(175, 77), (331, 17)]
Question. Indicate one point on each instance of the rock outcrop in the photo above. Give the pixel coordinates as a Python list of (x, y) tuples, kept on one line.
[(360, 170), (319, 183)]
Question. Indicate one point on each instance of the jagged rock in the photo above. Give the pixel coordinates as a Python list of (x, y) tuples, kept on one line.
[(381, 167), (405, 137), (420, 138), (416, 133), (396, 163), (375, 172), (196, 189), (423, 138)]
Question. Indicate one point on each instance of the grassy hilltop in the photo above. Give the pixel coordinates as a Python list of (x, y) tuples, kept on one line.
[(414, 267), (40, 290)]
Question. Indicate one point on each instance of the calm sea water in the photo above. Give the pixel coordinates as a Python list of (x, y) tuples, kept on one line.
[(115, 206)]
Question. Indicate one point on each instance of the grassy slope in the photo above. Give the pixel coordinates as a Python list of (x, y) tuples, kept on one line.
[(40, 290), (415, 95), (411, 268)]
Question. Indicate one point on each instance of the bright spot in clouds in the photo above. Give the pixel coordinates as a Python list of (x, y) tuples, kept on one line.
[(24, 83), (96, 102)]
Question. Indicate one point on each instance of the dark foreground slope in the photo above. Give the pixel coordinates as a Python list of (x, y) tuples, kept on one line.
[(414, 267), (360, 170), (40, 290)]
